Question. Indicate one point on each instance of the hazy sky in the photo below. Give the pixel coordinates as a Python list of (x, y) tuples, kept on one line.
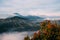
[(30, 7)]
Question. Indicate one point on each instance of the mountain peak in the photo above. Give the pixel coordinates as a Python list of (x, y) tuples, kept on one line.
[(17, 14)]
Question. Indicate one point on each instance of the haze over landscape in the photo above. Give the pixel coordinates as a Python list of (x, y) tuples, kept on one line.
[(29, 7)]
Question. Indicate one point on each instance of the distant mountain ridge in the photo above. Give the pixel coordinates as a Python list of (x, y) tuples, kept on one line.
[(43, 17), (33, 17), (30, 17)]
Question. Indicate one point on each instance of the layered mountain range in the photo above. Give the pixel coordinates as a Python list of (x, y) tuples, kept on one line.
[(20, 23)]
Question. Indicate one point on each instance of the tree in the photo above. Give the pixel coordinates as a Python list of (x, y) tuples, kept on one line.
[(48, 31)]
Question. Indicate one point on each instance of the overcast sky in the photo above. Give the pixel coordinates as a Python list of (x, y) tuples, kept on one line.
[(30, 7)]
